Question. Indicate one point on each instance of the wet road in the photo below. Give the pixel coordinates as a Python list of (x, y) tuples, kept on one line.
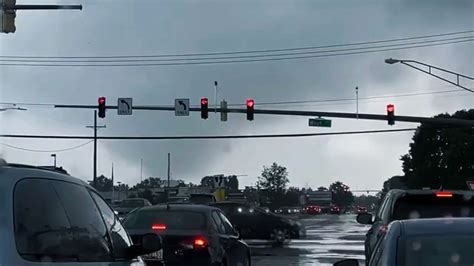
[(329, 238)]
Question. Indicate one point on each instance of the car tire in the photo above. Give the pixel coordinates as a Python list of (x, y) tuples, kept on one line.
[(278, 236)]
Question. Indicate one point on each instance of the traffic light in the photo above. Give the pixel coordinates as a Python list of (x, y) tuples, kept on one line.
[(8, 16), (391, 114), (101, 107), (250, 104), (204, 108)]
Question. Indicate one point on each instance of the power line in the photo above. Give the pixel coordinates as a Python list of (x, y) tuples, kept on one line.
[(232, 61), (249, 51), (254, 136), (33, 150), (231, 57), (353, 99)]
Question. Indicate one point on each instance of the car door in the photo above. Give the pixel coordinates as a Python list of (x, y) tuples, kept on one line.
[(227, 239), (372, 234), (236, 251)]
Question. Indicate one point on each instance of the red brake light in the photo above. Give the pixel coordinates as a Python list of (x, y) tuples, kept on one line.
[(158, 226), (199, 242), (383, 229), (444, 194)]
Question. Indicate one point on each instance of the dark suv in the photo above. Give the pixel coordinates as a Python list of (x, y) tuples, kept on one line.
[(50, 218), (414, 204), (256, 223)]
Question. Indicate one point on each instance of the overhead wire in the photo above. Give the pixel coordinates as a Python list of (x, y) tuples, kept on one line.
[(203, 62), (253, 136), (231, 57), (34, 150), (246, 52)]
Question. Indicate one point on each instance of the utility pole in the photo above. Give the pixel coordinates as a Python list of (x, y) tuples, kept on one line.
[(169, 170), (95, 147), (141, 169), (113, 189)]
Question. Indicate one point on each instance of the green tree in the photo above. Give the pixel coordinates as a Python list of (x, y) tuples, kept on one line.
[(322, 188), (103, 183), (341, 194), (273, 182), (441, 157), (151, 182)]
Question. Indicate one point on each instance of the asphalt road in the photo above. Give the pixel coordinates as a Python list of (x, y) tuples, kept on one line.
[(329, 238)]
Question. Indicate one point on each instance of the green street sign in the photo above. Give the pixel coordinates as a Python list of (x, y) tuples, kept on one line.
[(319, 122)]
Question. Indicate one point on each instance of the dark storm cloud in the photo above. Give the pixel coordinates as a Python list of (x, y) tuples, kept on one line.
[(167, 27)]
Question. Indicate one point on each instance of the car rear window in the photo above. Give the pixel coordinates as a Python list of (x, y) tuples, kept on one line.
[(431, 206), (132, 203), (438, 250), (174, 220)]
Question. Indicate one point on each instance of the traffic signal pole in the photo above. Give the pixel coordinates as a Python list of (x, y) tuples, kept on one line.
[(411, 119)]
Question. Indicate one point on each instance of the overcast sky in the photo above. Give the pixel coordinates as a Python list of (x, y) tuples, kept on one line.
[(118, 27)]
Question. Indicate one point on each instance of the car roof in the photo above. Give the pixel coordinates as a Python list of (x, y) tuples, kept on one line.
[(227, 203), (16, 172), (427, 191), (179, 207), (432, 226)]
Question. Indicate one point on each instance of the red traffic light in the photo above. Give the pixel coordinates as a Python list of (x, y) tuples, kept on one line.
[(250, 103), (204, 101), (390, 108), (204, 108), (101, 100)]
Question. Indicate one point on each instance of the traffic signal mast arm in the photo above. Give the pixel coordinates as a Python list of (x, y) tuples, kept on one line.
[(412, 119)]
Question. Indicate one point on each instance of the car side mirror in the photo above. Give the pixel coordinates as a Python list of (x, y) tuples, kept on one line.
[(347, 262), (364, 218), (149, 244), (237, 232)]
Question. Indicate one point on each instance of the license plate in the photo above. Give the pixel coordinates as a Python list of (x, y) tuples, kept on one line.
[(157, 255)]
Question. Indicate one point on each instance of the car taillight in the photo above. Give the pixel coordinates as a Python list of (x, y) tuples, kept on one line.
[(200, 242), (444, 194), (158, 226), (383, 229)]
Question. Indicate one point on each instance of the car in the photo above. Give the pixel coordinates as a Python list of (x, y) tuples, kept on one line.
[(191, 234), (413, 204), (51, 218), (361, 209), (335, 210), (312, 209), (256, 223), (128, 205), (424, 242)]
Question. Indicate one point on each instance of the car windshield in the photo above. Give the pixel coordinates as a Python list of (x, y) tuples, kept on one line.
[(430, 206), (132, 203), (437, 250), (172, 220)]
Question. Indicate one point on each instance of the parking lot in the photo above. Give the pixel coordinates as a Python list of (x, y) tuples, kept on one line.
[(329, 239)]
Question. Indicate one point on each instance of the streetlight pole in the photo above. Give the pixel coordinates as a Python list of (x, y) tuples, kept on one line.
[(54, 156), (413, 64)]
